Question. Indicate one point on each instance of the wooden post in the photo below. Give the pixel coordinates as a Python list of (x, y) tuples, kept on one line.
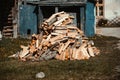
[(82, 18), (56, 9), (90, 50), (15, 30)]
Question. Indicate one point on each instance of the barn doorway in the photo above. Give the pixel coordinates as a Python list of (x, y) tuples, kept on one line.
[(47, 11)]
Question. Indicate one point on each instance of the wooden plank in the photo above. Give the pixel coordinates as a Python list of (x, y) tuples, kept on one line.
[(48, 37), (8, 30), (8, 27), (62, 56), (72, 34), (57, 57), (61, 16), (54, 15), (67, 21), (56, 38), (84, 51), (87, 56), (58, 23), (71, 53), (67, 54), (8, 34), (61, 47), (40, 37), (61, 31), (23, 52), (78, 54), (96, 51), (90, 51), (32, 49), (74, 53), (55, 34), (75, 28), (59, 41), (41, 44), (61, 28), (66, 45)]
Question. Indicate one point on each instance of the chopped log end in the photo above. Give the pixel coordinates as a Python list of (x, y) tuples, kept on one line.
[(96, 51)]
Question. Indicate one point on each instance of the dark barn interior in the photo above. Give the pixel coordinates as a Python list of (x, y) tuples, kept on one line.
[(47, 11), (75, 10), (6, 12)]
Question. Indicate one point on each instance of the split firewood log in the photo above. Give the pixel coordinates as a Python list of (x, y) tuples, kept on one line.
[(54, 15), (75, 28), (56, 38), (66, 45), (74, 53), (83, 50), (48, 55), (96, 51), (78, 54), (23, 52), (60, 41), (67, 56), (60, 28), (60, 31), (90, 50), (61, 48), (32, 49), (71, 53), (61, 16), (62, 56), (67, 21), (58, 23), (40, 37)]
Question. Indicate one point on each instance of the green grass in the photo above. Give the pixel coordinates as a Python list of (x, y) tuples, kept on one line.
[(100, 67)]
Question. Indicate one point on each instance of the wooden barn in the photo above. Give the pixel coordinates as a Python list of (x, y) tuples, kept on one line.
[(29, 14), (8, 17)]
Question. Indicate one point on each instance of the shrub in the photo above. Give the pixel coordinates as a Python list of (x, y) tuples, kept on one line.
[(102, 22)]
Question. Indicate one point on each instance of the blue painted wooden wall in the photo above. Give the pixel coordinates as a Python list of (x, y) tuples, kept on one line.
[(90, 20), (27, 20)]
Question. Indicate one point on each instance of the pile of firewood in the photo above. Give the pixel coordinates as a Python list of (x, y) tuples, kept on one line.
[(59, 39)]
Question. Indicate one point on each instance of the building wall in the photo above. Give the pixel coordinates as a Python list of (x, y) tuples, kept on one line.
[(28, 23), (90, 20), (27, 20), (112, 9)]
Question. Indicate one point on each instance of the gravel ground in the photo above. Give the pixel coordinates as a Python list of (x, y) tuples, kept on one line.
[(114, 32)]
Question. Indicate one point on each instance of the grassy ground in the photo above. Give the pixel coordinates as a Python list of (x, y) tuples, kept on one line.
[(101, 67)]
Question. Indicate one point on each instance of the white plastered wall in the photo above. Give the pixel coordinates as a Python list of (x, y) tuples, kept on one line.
[(112, 9)]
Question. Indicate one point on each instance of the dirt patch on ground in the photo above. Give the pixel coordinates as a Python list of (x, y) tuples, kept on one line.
[(109, 31)]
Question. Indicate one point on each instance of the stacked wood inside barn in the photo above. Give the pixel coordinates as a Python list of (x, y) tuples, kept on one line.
[(8, 29)]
